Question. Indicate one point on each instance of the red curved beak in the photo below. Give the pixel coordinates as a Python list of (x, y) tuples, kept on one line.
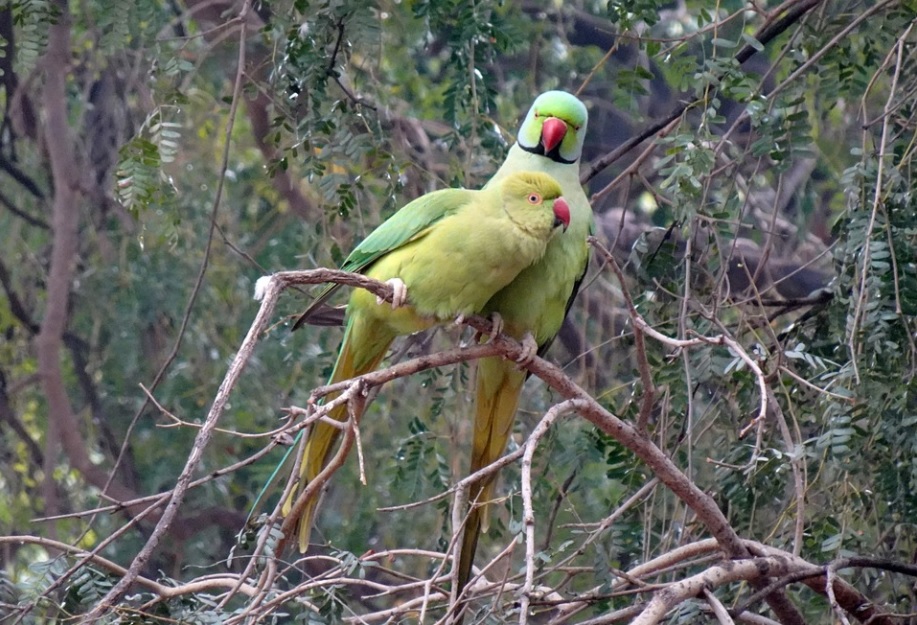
[(553, 131), (561, 213)]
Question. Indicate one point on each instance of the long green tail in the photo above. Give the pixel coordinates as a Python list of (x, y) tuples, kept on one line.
[(499, 386), (365, 343)]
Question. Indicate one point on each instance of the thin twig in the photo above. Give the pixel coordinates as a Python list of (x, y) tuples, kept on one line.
[(203, 437), (164, 592), (861, 290), (528, 508), (782, 17)]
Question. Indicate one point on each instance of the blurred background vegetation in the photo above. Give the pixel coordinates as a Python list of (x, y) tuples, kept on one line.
[(751, 166)]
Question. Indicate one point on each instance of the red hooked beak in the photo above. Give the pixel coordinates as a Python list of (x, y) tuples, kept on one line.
[(561, 213), (552, 133)]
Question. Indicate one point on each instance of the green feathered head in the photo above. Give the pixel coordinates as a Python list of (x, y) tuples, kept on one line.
[(555, 127), (528, 191)]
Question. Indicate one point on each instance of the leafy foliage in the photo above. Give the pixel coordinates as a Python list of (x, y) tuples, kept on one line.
[(32, 19), (796, 158)]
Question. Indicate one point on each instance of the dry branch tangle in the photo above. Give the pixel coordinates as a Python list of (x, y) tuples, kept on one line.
[(701, 504), (747, 561)]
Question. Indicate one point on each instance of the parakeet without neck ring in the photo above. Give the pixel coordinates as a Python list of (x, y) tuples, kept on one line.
[(446, 254)]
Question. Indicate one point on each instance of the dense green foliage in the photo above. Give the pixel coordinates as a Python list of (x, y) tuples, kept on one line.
[(788, 162)]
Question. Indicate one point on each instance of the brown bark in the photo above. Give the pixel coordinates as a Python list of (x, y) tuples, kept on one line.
[(211, 14), (258, 115), (64, 432)]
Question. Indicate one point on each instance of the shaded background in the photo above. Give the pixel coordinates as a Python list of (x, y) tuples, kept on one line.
[(776, 207)]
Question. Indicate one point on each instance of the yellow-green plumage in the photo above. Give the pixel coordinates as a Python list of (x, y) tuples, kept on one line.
[(537, 300), (453, 249)]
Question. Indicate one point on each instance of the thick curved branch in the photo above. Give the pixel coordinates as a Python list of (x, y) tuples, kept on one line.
[(701, 503), (703, 506), (716, 576), (64, 429)]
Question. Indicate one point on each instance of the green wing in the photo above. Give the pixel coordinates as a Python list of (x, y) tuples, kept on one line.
[(410, 223)]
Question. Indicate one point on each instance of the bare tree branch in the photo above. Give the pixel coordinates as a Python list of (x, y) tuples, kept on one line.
[(164, 592), (222, 397)]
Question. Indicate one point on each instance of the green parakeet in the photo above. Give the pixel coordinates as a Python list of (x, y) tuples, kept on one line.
[(535, 303), (450, 250)]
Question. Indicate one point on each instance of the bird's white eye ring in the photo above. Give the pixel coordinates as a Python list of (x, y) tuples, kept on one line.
[(534, 198)]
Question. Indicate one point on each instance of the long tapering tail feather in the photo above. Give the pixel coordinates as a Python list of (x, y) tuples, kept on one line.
[(499, 386), (365, 344)]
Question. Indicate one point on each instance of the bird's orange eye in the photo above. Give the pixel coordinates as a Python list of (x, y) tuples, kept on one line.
[(534, 198)]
